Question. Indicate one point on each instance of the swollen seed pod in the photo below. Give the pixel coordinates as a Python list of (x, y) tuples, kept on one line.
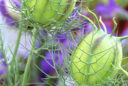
[(49, 11), (97, 58)]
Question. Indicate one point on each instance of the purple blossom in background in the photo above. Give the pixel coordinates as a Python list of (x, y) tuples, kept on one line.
[(3, 66), (3, 10), (47, 63), (125, 32), (109, 29), (61, 37), (64, 40), (110, 10), (17, 3)]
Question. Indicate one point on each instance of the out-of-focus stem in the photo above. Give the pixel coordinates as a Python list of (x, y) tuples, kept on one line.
[(27, 68), (13, 61), (90, 21), (122, 38), (124, 71), (115, 26), (94, 15), (104, 27)]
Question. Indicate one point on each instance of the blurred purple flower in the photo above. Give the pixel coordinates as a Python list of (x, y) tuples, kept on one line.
[(47, 64), (66, 42), (61, 37), (17, 3), (109, 29), (110, 10), (125, 32), (7, 11), (3, 66)]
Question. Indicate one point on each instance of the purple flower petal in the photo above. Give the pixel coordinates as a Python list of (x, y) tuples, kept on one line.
[(47, 63), (125, 32), (61, 37), (110, 10), (17, 3), (3, 10)]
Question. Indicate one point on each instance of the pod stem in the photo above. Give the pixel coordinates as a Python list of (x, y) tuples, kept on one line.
[(94, 15), (90, 21), (27, 68), (124, 71), (115, 26), (122, 38), (104, 27)]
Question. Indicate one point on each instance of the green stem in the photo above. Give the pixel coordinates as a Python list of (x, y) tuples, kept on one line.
[(5, 58), (17, 44), (124, 71), (27, 68), (92, 23), (13, 68), (122, 38), (13, 62), (115, 26), (94, 15), (104, 27)]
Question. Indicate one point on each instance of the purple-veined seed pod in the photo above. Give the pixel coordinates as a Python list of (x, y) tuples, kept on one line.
[(97, 57), (9, 9), (81, 71)]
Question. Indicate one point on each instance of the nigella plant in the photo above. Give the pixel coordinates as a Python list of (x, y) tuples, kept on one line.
[(49, 43), (97, 58)]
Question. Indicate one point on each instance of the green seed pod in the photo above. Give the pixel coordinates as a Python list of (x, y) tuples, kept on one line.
[(97, 58), (49, 11)]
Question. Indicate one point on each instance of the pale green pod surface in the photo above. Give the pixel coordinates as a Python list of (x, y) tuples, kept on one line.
[(95, 59), (49, 11)]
